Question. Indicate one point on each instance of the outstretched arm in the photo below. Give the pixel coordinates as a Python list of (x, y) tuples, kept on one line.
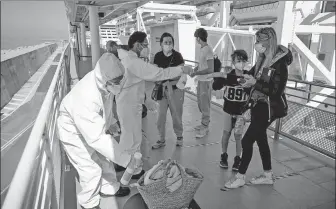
[(149, 72)]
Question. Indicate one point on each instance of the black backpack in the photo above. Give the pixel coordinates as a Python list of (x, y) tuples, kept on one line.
[(217, 64)]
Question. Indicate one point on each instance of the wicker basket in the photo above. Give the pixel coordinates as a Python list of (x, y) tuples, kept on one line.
[(157, 196)]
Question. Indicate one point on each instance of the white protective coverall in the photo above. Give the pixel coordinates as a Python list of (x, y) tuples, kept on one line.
[(131, 97), (85, 115)]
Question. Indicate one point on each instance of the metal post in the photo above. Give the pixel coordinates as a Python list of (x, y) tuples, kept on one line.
[(83, 40), (79, 41), (310, 86), (285, 16), (94, 30), (224, 23), (277, 129), (138, 22)]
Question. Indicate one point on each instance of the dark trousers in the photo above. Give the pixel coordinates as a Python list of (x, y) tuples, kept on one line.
[(257, 132)]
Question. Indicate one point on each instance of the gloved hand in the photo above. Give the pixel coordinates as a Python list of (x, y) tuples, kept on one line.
[(114, 128), (133, 164), (187, 69), (151, 105)]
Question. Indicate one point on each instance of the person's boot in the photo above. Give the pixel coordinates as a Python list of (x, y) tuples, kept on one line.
[(138, 176), (122, 192), (236, 163), (96, 207), (224, 163), (119, 168)]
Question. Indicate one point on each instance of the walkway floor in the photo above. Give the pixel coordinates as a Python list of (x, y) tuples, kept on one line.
[(312, 187)]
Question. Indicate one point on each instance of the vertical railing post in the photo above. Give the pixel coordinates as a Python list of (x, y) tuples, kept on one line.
[(310, 86), (277, 129)]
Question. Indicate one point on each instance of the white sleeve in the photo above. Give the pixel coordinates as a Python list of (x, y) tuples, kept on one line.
[(92, 126), (150, 72)]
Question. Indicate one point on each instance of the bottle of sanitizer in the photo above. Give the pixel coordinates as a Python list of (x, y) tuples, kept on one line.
[(125, 179)]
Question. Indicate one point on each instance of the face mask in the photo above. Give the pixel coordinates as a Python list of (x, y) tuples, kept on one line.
[(259, 48), (114, 89), (239, 66), (144, 53), (167, 48)]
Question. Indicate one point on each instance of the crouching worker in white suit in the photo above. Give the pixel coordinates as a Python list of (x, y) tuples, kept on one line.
[(132, 95), (85, 116)]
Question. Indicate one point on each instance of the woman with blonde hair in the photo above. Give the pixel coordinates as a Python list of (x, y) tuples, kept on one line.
[(268, 78)]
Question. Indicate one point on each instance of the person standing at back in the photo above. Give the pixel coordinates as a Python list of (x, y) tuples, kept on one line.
[(173, 97), (204, 86)]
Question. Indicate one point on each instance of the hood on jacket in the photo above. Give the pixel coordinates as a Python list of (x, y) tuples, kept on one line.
[(107, 68), (283, 53), (122, 53)]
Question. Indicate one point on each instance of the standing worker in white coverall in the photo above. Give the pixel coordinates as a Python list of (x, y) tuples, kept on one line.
[(85, 116), (132, 95)]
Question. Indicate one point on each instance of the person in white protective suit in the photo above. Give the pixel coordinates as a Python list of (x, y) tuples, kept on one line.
[(85, 116), (132, 95)]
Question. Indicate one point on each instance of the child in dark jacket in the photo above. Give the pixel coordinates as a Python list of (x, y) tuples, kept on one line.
[(235, 98)]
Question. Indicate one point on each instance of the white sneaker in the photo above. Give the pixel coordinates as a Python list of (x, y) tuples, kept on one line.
[(198, 127), (202, 132), (237, 181), (265, 178)]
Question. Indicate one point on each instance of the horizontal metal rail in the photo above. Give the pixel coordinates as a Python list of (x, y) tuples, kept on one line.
[(43, 143)]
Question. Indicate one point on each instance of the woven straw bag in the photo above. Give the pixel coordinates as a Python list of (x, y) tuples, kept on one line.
[(157, 196)]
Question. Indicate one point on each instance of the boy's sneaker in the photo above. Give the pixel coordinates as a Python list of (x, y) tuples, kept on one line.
[(179, 141), (224, 163), (202, 132), (265, 178), (159, 144), (236, 163), (237, 181)]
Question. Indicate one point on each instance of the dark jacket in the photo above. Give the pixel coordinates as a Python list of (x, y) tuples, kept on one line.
[(234, 102), (274, 88)]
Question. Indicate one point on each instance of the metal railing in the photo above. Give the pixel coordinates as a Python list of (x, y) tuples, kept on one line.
[(37, 182), (307, 125), (310, 89)]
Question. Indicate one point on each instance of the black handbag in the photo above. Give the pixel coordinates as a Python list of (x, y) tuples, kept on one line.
[(157, 93)]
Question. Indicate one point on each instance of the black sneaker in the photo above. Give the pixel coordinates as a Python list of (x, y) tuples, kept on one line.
[(236, 163), (119, 168), (97, 207), (138, 176), (122, 192), (224, 163)]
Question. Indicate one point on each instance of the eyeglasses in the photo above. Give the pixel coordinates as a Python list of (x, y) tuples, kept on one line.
[(115, 81)]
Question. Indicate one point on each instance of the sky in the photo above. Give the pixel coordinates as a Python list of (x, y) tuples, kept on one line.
[(25, 23)]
